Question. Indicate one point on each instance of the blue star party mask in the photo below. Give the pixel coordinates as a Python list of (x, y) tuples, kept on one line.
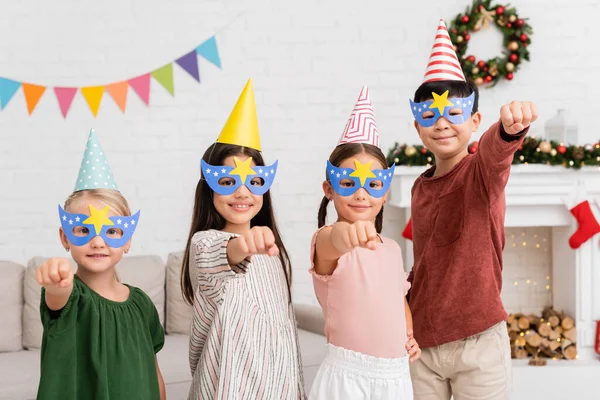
[(225, 180), (80, 228), (441, 107), (375, 182)]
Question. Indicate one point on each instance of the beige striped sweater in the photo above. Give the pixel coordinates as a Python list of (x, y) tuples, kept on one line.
[(243, 339)]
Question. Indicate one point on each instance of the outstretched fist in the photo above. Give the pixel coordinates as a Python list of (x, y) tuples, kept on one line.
[(517, 116), (55, 274)]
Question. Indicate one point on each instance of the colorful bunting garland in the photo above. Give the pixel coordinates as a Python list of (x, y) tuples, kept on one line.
[(118, 91)]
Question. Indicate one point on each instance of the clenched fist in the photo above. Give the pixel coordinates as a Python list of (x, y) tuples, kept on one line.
[(258, 240), (517, 116), (345, 236), (55, 274)]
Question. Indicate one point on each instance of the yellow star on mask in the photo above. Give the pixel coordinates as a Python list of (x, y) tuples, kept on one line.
[(242, 169), (362, 172), (98, 218), (440, 102)]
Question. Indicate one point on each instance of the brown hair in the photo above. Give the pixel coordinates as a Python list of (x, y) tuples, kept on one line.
[(337, 157), (205, 215)]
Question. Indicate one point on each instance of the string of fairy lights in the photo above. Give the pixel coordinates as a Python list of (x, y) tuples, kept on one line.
[(540, 243)]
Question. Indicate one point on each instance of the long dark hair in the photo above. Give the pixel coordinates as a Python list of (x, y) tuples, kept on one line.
[(337, 157), (206, 217)]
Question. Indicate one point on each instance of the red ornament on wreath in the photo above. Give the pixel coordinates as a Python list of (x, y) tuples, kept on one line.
[(561, 149), (480, 16), (473, 147), (424, 150)]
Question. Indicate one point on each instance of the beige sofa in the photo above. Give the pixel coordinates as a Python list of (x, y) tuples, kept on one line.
[(21, 333)]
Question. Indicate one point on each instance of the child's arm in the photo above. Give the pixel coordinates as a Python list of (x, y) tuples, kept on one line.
[(334, 241), (499, 143), (56, 276), (412, 347), (161, 382)]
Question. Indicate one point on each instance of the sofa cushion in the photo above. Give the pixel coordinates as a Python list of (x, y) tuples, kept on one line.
[(145, 272), (310, 318), (179, 313), (19, 375), (11, 299)]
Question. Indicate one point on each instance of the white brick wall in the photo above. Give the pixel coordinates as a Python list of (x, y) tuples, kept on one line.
[(527, 278), (308, 60)]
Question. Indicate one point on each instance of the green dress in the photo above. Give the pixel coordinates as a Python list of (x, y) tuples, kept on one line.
[(95, 348)]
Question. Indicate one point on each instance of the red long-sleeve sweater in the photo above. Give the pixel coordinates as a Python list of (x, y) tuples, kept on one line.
[(458, 238)]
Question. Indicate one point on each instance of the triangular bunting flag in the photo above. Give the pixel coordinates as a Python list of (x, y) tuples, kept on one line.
[(33, 93), (118, 91), (8, 88), (93, 96), (209, 50), (164, 76), (141, 85), (189, 63), (65, 96)]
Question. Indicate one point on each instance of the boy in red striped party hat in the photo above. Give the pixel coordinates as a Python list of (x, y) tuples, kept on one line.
[(458, 208)]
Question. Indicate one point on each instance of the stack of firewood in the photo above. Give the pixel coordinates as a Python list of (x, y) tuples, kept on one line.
[(553, 335)]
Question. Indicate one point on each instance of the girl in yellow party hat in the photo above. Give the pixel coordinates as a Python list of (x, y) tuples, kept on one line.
[(237, 274)]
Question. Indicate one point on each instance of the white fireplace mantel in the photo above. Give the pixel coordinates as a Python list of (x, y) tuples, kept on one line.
[(531, 191), (535, 196)]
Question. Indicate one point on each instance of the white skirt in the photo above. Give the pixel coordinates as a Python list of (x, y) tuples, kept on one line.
[(349, 375)]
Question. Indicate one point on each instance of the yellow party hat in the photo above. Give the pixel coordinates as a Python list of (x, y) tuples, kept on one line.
[(241, 127)]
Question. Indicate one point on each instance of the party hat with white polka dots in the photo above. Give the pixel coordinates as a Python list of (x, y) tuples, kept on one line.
[(94, 172)]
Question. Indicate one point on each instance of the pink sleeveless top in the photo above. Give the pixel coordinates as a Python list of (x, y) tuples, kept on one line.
[(363, 300)]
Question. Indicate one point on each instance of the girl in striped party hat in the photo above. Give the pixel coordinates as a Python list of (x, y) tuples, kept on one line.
[(358, 274), (458, 208), (100, 336), (237, 274)]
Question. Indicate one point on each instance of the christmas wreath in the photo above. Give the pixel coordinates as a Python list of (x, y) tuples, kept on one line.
[(532, 151), (516, 33)]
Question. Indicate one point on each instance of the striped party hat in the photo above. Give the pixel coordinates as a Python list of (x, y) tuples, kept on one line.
[(361, 126), (94, 172), (443, 64)]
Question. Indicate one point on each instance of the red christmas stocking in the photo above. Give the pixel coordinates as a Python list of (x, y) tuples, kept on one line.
[(407, 232), (588, 225), (597, 337)]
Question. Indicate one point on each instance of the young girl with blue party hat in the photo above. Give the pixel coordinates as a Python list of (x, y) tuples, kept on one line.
[(100, 336)]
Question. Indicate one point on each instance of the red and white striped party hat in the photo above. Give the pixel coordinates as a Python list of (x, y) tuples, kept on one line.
[(361, 126), (443, 64)]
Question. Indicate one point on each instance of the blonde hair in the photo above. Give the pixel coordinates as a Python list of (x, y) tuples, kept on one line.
[(113, 198)]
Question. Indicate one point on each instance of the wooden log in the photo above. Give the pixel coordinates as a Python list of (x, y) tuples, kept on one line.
[(565, 343), (554, 321), (543, 328), (520, 341), (510, 319), (571, 334), (513, 336), (567, 323), (524, 323), (570, 352), (519, 353), (553, 335), (532, 350), (559, 330), (533, 339), (514, 326), (554, 345)]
